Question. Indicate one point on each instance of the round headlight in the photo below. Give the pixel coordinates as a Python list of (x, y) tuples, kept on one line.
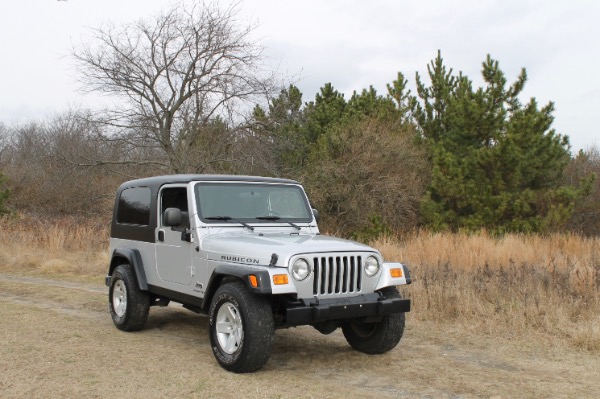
[(301, 269), (371, 266)]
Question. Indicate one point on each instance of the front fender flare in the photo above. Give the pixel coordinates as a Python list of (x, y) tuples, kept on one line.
[(241, 272)]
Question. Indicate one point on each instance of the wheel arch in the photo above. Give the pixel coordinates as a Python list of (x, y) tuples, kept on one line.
[(224, 273), (134, 259)]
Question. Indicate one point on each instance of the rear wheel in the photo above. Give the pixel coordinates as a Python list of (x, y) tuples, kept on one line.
[(129, 306), (241, 328), (379, 337)]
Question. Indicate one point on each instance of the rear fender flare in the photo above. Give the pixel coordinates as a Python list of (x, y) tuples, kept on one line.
[(132, 257)]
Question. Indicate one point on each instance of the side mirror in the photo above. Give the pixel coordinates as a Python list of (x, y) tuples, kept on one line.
[(316, 213), (172, 217)]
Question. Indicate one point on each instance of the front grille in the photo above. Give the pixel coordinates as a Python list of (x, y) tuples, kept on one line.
[(337, 275)]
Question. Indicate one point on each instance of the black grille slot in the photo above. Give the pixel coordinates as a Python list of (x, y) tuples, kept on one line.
[(337, 275)]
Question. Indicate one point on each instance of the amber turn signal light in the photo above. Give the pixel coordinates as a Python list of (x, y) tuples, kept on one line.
[(396, 272), (253, 280), (280, 279)]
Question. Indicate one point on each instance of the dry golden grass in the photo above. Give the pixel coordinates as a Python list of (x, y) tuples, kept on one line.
[(543, 286), (512, 317), (546, 287), (67, 233), (67, 246), (57, 341), (565, 252)]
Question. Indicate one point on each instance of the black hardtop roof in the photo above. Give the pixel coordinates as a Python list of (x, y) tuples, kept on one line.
[(160, 180)]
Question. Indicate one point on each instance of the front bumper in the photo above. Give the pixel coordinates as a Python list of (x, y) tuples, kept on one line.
[(364, 306)]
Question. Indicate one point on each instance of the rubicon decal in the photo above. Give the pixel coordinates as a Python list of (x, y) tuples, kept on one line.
[(240, 259)]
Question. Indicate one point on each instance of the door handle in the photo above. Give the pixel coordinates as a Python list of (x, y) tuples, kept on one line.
[(161, 235)]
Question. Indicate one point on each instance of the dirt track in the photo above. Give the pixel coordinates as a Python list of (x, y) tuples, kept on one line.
[(57, 340)]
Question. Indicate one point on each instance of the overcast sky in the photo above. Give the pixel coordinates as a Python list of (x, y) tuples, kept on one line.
[(352, 44)]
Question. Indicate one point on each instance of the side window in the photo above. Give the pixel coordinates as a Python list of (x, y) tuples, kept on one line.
[(134, 206), (175, 197)]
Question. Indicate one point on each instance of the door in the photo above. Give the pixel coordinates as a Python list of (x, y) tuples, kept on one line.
[(173, 252)]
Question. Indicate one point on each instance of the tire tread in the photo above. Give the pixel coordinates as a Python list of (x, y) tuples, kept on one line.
[(257, 319), (387, 334), (138, 301)]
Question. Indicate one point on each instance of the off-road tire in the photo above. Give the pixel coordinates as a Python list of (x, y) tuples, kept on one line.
[(129, 306), (379, 337), (241, 328)]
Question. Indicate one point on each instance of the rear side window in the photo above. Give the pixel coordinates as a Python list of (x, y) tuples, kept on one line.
[(134, 206)]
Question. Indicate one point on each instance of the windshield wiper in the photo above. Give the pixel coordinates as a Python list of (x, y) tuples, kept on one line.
[(230, 219), (274, 218), (218, 218)]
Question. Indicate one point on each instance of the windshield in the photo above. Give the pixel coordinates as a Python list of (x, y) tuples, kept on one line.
[(218, 202)]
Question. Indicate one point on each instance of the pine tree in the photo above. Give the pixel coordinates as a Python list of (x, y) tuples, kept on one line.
[(327, 110), (283, 129), (497, 164)]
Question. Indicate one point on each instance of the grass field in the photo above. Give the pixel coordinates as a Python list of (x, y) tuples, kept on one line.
[(515, 284), (517, 316), (57, 341), (546, 287)]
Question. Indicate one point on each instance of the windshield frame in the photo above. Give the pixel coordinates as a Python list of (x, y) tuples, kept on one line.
[(205, 218)]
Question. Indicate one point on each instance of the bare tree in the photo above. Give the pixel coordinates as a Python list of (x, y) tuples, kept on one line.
[(42, 161), (586, 215), (175, 74), (3, 139)]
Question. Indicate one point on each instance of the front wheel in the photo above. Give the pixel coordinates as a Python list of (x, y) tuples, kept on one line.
[(379, 337), (241, 328), (129, 306)]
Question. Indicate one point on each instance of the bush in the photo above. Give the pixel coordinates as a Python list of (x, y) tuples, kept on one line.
[(368, 177), (4, 194)]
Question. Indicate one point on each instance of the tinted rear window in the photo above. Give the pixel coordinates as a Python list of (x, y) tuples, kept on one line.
[(134, 206)]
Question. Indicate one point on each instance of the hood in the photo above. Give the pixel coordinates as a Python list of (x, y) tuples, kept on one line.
[(257, 247)]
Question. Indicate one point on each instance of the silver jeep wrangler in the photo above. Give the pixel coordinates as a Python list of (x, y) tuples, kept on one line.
[(247, 252)]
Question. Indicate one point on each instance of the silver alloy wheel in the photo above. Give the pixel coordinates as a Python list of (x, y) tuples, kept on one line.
[(229, 328), (119, 298)]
